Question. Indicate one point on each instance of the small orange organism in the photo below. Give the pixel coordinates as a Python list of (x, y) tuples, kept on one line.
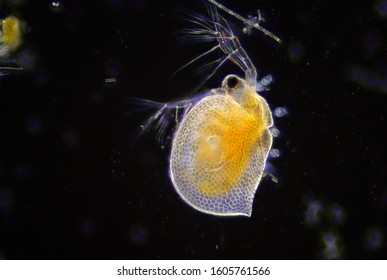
[(221, 145), (10, 36), (10, 40), (11, 33)]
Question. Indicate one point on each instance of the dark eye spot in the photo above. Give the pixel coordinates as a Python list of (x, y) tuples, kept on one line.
[(232, 82)]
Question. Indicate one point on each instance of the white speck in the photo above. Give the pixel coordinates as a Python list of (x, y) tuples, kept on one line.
[(56, 4), (110, 80)]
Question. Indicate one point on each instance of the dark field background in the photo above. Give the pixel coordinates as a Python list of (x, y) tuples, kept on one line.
[(73, 185)]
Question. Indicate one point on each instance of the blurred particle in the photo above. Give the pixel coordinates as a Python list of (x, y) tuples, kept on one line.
[(110, 80), (33, 125), (113, 3), (113, 67), (149, 159), (21, 171), (87, 227), (263, 84), (368, 78), (71, 137), (41, 79), (374, 239), (267, 80), (139, 5), (336, 214), (138, 234), (5, 201), (274, 153), (331, 250), (274, 131), (280, 112), (27, 58), (296, 51), (56, 6), (271, 172), (381, 8), (96, 98), (384, 198), (372, 43), (313, 212), (17, 2)]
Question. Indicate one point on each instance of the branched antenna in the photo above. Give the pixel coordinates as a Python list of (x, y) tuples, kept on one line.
[(246, 21)]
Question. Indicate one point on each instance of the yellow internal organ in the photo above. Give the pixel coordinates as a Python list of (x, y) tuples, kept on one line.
[(225, 145), (11, 32)]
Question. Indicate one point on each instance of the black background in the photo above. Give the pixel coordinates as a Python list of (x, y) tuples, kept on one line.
[(73, 185)]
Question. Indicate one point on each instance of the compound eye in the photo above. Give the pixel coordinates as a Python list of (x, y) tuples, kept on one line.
[(232, 82)]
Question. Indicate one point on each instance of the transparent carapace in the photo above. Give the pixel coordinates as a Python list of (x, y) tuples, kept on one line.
[(221, 144)]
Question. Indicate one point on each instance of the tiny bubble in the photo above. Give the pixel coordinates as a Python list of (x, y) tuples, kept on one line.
[(266, 80), (274, 153), (274, 131), (280, 112), (260, 87)]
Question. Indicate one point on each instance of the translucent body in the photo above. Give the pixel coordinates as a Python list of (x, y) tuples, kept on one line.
[(220, 149), (222, 141)]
